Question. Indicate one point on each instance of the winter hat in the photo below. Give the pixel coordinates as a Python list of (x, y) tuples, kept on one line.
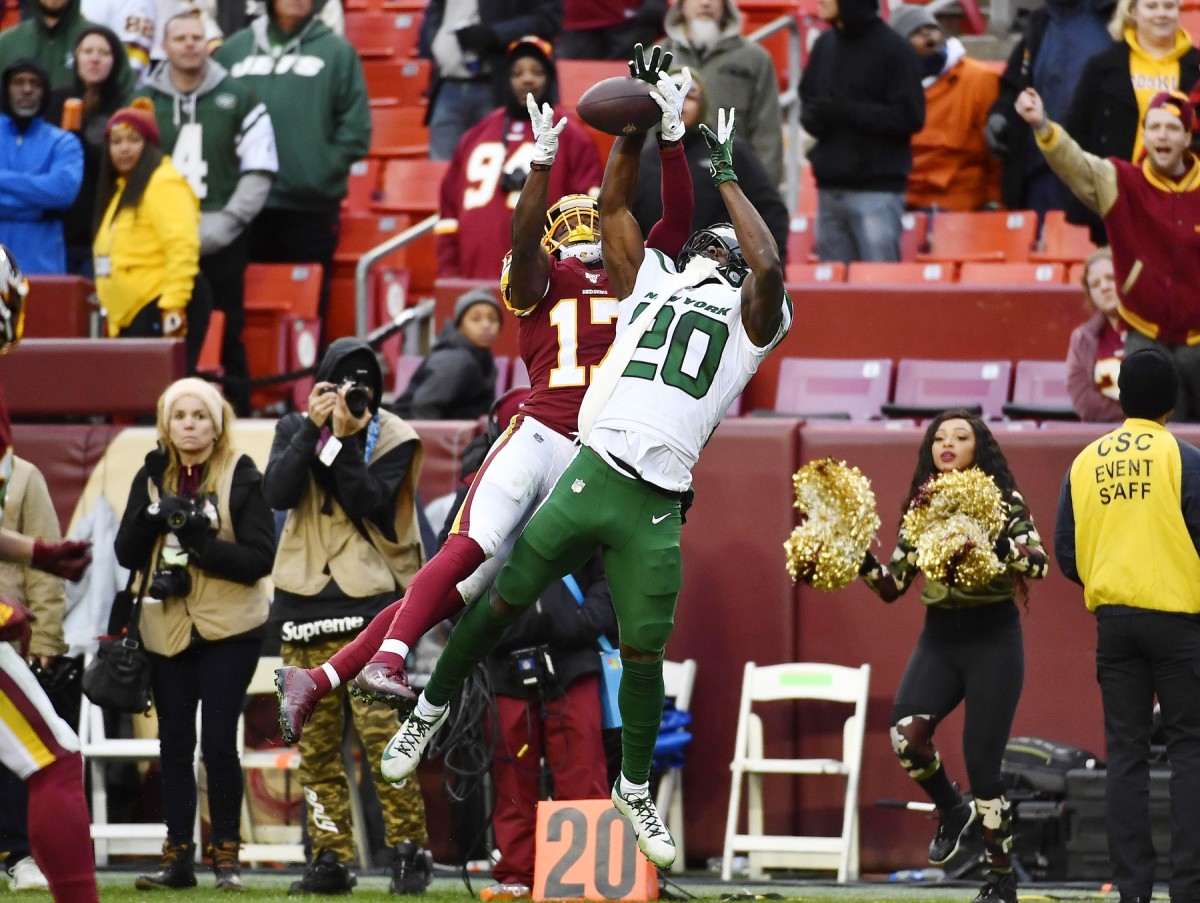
[(469, 299), (1177, 103), (1148, 384), (205, 392), (543, 51), (139, 116), (906, 19)]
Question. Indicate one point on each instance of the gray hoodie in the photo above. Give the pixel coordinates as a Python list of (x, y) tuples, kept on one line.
[(737, 73)]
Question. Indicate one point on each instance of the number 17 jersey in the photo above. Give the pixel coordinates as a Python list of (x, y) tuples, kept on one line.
[(562, 337)]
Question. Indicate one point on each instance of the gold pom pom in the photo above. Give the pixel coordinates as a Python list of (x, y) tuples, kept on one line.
[(953, 521), (838, 520)]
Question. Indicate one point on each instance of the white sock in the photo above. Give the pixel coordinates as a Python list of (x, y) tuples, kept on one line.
[(396, 647), (334, 680), (426, 710), (628, 787)]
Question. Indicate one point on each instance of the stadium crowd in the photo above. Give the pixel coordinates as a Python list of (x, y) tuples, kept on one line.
[(160, 149)]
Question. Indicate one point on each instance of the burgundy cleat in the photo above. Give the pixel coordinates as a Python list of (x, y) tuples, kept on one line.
[(298, 696), (380, 682)]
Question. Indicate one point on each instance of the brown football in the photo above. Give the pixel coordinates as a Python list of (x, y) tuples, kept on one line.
[(619, 106)]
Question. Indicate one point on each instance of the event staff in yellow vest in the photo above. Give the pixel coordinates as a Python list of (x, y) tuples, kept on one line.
[(198, 531), (220, 138), (1129, 532), (346, 473)]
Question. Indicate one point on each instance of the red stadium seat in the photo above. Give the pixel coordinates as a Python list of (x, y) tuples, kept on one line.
[(807, 202), (1040, 392), (802, 239), (404, 83), (1000, 235), (1062, 242), (914, 234), (899, 273), (849, 389), (411, 186), (398, 132), (404, 367), (209, 361), (282, 328), (756, 14), (1012, 273), (362, 186), (924, 388), (383, 35), (816, 272)]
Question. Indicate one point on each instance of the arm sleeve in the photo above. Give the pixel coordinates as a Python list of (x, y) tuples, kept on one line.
[(352, 113), (175, 215), (54, 189), (249, 557), (1026, 554), (369, 492), (766, 128), (136, 537), (45, 594), (1091, 179), (890, 581), (1064, 532), (220, 227), (292, 451), (671, 232)]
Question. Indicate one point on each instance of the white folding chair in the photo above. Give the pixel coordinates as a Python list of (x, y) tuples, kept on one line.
[(97, 748), (283, 843), (678, 679), (794, 682)]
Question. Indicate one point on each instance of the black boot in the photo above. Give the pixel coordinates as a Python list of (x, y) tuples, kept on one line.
[(226, 866), (1001, 887), (412, 869), (325, 876), (175, 869)]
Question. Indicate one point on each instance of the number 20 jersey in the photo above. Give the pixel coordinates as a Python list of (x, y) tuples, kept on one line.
[(562, 337)]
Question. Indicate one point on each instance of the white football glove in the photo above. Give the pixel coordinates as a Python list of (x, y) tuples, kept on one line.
[(670, 98), (545, 131)]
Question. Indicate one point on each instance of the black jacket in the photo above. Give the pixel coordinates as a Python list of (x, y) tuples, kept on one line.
[(456, 381), (509, 19), (570, 632), (1103, 116), (861, 98), (756, 183), (1018, 75)]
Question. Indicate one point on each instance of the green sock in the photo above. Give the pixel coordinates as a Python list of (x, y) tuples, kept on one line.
[(476, 634), (641, 702)]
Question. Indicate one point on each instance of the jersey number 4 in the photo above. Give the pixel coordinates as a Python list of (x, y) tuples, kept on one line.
[(188, 157), (686, 366)]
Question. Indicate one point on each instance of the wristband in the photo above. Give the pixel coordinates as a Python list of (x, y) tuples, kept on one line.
[(540, 167)]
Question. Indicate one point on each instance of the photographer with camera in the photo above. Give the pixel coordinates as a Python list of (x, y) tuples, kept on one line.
[(346, 473), (198, 529)]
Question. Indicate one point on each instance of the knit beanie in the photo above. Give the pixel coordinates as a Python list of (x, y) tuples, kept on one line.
[(469, 299), (1148, 384), (139, 116), (1177, 103), (906, 19), (203, 391)]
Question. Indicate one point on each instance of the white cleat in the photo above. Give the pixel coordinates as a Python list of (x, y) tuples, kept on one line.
[(653, 838), (403, 754), (26, 875)]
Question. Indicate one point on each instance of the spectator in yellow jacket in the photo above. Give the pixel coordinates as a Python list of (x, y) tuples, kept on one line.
[(146, 247), (952, 167)]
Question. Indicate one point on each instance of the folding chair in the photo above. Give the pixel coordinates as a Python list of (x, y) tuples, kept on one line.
[(1040, 392), (411, 186), (398, 132), (792, 682), (402, 83), (925, 388), (998, 235), (678, 679), (853, 389), (1062, 242), (802, 239), (362, 187), (404, 367), (383, 35)]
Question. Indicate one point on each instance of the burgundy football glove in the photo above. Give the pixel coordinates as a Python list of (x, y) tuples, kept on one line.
[(67, 558)]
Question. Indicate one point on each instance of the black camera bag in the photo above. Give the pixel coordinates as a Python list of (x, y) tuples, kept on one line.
[(118, 678)]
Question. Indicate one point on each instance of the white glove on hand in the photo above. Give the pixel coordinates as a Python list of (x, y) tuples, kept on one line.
[(670, 98), (545, 131)]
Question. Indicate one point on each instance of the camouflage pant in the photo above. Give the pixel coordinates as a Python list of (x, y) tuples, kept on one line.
[(323, 774)]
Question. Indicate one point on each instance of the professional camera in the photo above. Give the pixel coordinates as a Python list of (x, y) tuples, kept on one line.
[(358, 396), (531, 665), (513, 179), (171, 577), (188, 517)]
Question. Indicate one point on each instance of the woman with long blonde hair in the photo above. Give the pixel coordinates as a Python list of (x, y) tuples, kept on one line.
[(199, 533)]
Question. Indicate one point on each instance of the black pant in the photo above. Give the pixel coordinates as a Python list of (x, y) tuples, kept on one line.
[(14, 810), (225, 271), (215, 676), (960, 657), (148, 322), (297, 236), (1139, 656)]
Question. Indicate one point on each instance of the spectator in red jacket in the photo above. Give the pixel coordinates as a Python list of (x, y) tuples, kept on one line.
[(491, 163), (1097, 345)]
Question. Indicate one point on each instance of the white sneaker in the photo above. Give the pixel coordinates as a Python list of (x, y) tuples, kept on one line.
[(403, 754), (653, 838), (26, 875)]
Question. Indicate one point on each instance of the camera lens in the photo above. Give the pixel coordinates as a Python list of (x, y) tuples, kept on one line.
[(176, 519), (357, 399)]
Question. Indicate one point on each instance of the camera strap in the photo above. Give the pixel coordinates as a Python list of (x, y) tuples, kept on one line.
[(575, 590), (133, 626)]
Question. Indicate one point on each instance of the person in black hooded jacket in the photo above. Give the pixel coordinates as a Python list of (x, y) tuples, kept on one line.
[(861, 100)]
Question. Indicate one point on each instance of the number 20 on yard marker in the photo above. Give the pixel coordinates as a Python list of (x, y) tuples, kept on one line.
[(585, 850)]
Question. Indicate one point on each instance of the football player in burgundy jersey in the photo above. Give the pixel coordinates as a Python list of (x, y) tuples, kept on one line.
[(556, 285)]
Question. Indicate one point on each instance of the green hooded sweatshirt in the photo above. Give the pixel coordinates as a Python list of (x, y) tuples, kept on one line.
[(53, 47), (312, 83)]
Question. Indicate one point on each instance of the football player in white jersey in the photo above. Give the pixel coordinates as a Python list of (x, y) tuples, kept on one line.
[(690, 334)]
